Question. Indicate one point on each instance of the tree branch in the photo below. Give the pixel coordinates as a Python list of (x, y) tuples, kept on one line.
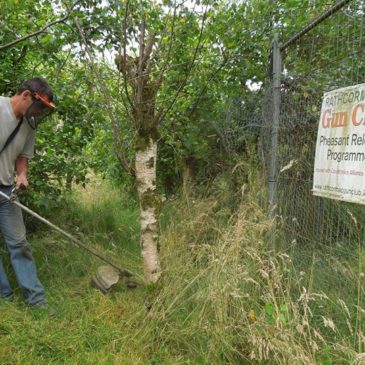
[(205, 86), (140, 79), (107, 98), (48, 25), (163, 113), (167, 60), (125, 57), (197, 99)]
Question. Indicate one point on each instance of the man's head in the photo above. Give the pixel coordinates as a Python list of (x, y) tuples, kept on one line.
[(33, 101)]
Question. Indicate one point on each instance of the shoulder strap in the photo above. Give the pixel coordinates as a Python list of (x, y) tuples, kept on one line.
[(12, 135)]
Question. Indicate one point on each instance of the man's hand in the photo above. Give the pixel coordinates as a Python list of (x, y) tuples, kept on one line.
[(21, 182), (22, 170)]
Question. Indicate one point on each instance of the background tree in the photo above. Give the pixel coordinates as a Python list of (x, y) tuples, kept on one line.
[(181, 66)]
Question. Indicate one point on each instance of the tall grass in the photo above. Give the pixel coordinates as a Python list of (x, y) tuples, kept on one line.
[(89, 325), (228, 295), (233, 290)]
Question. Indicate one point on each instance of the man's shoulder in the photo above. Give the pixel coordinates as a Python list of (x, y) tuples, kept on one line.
[(4, 101)]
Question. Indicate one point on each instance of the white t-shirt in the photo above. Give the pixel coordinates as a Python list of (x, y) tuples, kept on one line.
[(21, 145)]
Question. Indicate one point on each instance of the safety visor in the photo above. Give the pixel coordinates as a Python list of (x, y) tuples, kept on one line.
[(38, 110)]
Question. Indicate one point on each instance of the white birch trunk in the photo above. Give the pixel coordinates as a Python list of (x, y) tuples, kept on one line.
[(149, 205)]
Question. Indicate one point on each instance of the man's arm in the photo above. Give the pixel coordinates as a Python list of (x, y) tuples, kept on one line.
[(21, 167)]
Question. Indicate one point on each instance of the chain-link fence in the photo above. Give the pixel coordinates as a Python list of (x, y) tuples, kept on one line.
[(326, 55)]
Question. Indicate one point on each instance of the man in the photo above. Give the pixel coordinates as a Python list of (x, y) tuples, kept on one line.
[(19, 116)]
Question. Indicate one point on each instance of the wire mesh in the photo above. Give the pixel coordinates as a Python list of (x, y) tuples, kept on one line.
[(240, 122), (324, 237), (326, 58)]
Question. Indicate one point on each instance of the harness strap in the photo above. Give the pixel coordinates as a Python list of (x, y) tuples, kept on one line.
[(12, 135)]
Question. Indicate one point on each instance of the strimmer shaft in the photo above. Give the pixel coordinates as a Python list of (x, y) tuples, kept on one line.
[(121, 270)]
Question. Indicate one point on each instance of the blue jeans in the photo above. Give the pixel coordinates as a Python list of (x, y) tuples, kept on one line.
[(13, 230)]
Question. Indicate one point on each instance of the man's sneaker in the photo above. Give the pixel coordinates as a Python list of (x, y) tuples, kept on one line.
[(44, 305), (7, 298), (40, 305)]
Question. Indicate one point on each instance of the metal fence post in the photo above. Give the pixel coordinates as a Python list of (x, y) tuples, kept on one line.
[(276, 75)]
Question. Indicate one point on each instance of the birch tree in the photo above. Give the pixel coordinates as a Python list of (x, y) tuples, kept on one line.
[(159, 41), (144, 60)]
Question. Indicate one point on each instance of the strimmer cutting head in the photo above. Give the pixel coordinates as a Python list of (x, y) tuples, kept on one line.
[(107, 276)]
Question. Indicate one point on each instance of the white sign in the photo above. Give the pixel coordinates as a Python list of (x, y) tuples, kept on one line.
[(339, 167)]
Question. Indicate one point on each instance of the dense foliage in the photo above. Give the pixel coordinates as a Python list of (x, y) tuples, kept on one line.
[(232, 55)]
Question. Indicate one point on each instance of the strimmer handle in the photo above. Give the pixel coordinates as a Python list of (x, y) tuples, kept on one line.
[(11, 198)]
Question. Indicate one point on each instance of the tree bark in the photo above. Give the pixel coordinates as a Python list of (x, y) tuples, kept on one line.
[(69, 179), (188, 173), (146, 157)]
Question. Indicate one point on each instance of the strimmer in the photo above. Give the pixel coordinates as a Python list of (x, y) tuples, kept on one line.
[(106, 276)]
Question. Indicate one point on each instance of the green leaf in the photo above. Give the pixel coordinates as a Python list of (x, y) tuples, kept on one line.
[(282, 318), (269, 309), (284, 308)]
